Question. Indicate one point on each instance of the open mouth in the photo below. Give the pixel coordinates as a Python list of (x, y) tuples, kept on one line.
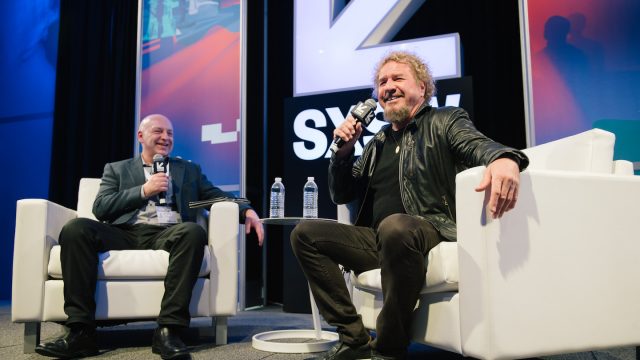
[(392, 98)]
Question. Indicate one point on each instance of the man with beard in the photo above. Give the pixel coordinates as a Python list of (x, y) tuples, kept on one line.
[(405, 184)]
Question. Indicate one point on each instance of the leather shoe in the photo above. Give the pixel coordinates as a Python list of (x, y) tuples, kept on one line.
[(76, 343), (342, 351), (168, 344)]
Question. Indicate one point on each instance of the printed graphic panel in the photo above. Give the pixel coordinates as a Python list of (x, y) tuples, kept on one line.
[(191, 73), (585, 69)]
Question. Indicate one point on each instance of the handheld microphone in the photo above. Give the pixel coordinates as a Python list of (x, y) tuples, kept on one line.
[(362, 112), (160, 166)]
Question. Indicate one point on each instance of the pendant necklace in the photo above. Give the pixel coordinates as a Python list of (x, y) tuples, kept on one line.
[(395, 140)]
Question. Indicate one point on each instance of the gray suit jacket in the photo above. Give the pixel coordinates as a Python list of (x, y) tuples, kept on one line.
[(120, 197)]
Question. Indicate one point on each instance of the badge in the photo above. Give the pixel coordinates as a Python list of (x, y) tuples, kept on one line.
[(166, 215)]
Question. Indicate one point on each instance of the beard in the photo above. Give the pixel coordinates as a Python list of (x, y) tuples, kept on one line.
[(399, 115)]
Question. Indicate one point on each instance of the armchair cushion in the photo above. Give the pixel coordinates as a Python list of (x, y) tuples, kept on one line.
[(442, 271), (128, 264)]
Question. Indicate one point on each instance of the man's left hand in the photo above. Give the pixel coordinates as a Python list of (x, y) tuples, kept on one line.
[(503, 176), (252, 221)]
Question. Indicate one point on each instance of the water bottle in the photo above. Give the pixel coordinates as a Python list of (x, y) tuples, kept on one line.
[(276, 205), (310, 199)]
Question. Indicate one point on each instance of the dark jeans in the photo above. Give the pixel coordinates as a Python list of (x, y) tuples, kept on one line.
[(398, 248), (82, 239)]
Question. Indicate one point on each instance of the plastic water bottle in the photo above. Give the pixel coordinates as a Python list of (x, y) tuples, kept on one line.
[(276, 205), (310, 199)]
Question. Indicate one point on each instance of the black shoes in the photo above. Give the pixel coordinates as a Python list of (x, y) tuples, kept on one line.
[(168, 344), (82, 342), (342, 351), (76, 343)]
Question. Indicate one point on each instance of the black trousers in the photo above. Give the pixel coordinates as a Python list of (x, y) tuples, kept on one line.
[(82, 239), (398, 248)]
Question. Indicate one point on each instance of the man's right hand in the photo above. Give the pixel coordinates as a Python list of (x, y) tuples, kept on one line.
[(156, 184), (349, 131)]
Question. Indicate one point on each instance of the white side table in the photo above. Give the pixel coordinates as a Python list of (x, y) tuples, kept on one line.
[(319, 340)]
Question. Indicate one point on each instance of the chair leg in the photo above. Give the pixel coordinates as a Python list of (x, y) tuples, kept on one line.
[(31, 337), (208, 331), (221, 330)]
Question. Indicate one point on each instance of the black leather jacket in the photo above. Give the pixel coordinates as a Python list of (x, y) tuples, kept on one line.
[(437, 144)]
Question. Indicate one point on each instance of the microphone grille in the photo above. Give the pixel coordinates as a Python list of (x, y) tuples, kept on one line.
[(372, 103), (158, 157)]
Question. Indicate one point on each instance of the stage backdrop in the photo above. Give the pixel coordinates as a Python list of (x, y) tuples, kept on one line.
[(29, 47), (583, 70), (191, 65)]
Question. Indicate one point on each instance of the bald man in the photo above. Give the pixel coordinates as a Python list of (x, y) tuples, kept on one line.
[(131, 216)]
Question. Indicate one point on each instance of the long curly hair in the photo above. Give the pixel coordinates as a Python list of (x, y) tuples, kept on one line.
[(419, 68)]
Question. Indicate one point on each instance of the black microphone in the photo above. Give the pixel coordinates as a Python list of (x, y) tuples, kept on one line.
[(362, 112), (160, 166)]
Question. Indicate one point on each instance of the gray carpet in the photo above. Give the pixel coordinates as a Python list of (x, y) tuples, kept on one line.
[(132, 341)]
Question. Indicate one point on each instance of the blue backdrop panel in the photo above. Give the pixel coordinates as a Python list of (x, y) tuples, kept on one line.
[(29, 36)]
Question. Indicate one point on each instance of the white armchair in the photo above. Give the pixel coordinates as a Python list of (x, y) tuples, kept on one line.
[(557, 274), (130, 282)]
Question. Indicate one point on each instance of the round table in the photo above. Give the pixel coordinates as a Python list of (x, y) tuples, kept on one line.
[(321, 340)]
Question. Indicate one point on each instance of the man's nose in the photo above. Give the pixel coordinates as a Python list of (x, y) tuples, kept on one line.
[(390, 85), (390, 90)]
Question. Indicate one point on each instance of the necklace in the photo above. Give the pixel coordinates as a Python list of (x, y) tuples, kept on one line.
[(396, 140)]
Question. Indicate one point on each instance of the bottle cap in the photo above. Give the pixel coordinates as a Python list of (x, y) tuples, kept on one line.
[(278, 179), (310, 178)]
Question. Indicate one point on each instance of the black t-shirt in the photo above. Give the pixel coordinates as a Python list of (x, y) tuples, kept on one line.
[(385, 182)]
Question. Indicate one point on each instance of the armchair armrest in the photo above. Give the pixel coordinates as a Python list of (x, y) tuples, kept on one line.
[(223, 241), (556, 274), (622, 167), (38, 225)]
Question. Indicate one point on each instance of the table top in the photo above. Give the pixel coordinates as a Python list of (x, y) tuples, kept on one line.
[(291, 220)]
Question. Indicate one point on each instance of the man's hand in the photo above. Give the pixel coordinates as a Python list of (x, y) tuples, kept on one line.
[(503, 175), (349, 131), (252, 221), (156, 184)]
